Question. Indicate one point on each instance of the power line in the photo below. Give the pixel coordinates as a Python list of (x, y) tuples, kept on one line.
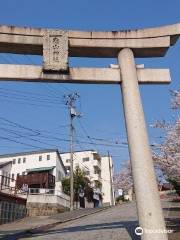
[(9, 101), (32, 94), (49, 136), (20, 95), (26, 98), (87, 135), (15, 141)]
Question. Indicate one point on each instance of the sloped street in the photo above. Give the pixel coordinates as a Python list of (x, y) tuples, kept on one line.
[(114, 223)]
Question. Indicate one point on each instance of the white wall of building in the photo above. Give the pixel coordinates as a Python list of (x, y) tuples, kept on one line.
[(60, 172), (107, 178)]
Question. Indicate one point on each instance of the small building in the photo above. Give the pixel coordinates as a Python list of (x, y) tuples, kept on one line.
[(37, 172), (35, 169)]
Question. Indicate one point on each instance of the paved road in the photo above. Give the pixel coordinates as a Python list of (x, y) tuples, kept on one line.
[(112, 224)]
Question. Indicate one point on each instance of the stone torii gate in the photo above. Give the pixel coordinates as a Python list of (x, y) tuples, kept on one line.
[(57, 45)]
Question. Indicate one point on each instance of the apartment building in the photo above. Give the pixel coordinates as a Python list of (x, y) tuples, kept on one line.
[(97, 168)]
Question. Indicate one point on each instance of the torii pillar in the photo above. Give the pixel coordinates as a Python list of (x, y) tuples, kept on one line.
[(147, 195)]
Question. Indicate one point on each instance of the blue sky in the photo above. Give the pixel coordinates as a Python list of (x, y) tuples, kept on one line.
[(100, 105)]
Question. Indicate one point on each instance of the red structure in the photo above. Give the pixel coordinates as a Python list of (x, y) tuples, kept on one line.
[(36, 180)]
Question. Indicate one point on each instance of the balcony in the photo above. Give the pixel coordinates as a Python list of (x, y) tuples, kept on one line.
[(97, 164), (43, 180)]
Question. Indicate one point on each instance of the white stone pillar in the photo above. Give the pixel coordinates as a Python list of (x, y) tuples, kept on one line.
[(147, 195)]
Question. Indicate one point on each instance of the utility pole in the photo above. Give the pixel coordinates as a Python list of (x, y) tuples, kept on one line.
[(110, 173), (70, 102)]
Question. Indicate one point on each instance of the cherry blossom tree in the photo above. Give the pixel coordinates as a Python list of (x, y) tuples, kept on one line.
[(123, 180), (167, 157)]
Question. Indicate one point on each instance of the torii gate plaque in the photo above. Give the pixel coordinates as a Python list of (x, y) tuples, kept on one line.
[(57, 45)]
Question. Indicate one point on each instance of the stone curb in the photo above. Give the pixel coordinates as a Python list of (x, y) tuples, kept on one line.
[(33, 230)]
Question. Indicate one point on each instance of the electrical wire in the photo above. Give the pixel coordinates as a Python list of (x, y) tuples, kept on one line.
[(54, 137)]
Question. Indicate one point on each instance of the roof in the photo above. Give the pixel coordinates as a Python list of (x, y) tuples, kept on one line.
[(88, 150), (34, 152), (40, 169), (2, 164), (28, 153)]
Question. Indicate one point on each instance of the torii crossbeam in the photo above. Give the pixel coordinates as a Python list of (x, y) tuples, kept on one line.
[(57, 45)]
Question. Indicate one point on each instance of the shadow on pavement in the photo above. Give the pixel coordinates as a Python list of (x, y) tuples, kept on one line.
[(128, 225)]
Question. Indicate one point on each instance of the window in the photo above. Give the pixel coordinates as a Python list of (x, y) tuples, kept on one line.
[(12, 180), (68, 160), (48, 157), (24, 160), (34, 190), (86, 159), (40, 158), (19, 160), (14, 161), (96, 171)]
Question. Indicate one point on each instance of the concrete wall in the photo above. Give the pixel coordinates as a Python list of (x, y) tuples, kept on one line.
[(45, 205)]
